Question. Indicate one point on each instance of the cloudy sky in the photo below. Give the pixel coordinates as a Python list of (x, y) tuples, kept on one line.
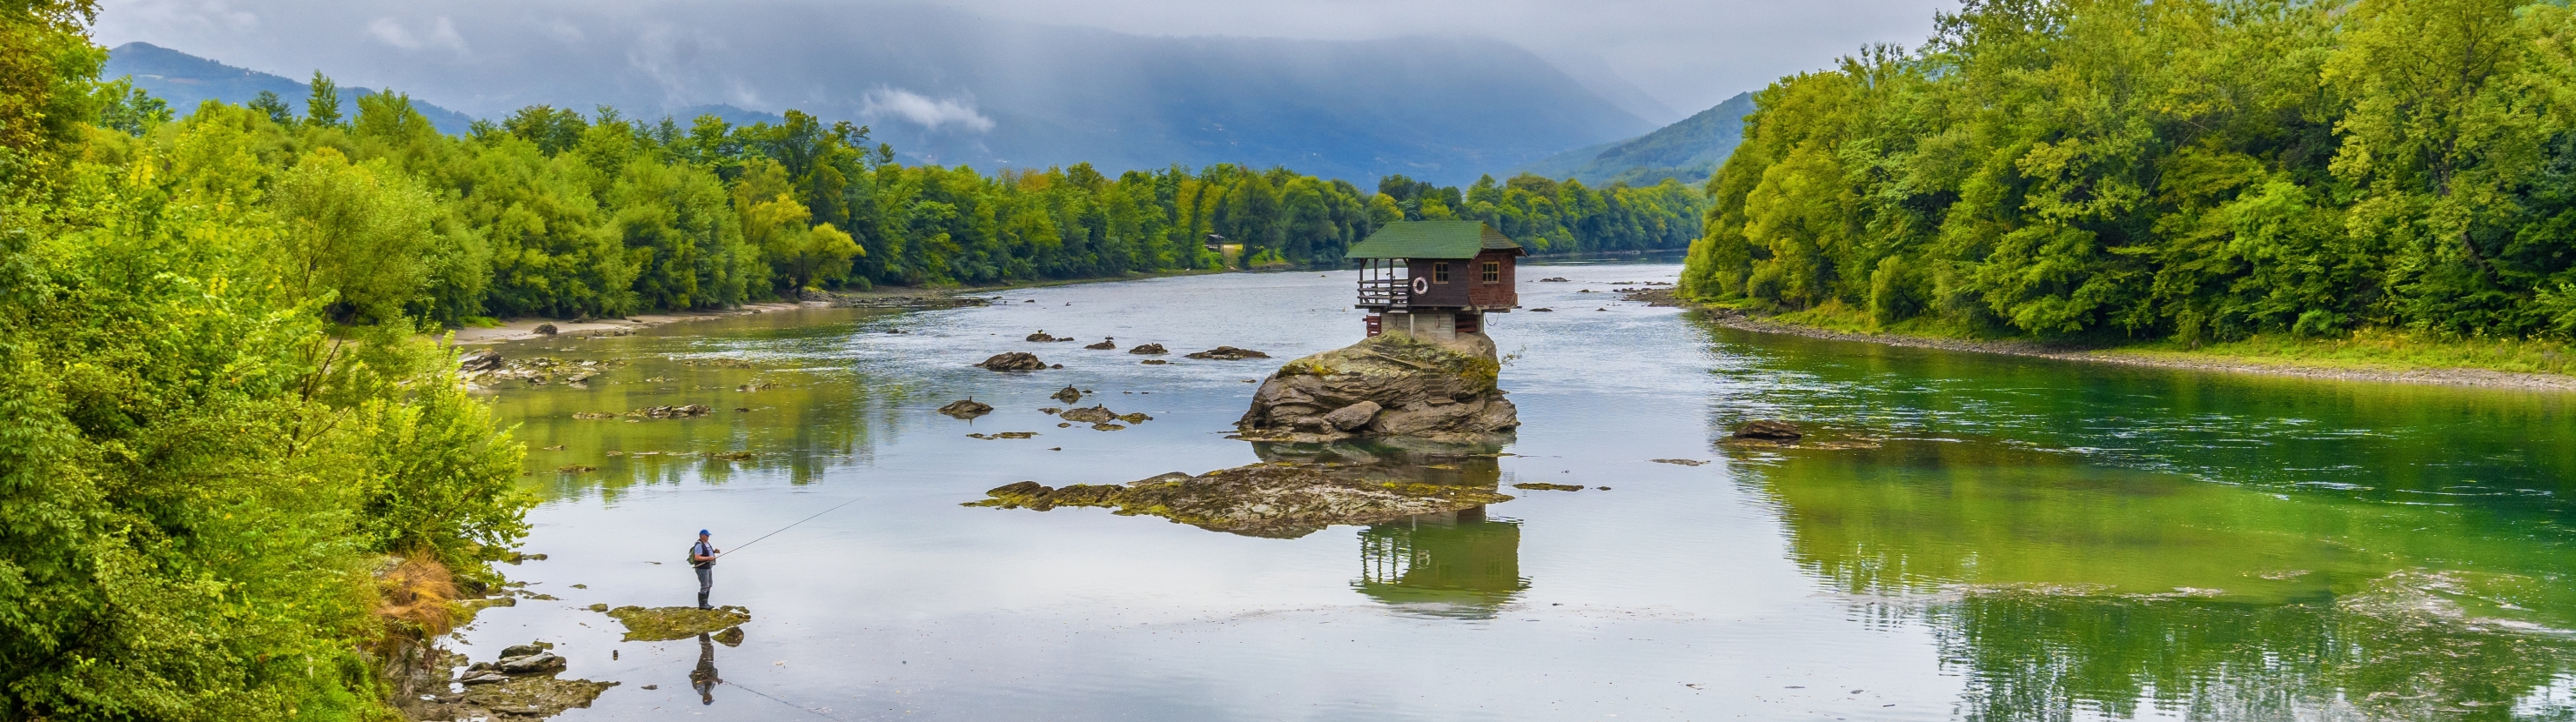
[(1660, 59)]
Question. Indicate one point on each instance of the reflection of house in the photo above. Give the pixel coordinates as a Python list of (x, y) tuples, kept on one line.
[(1457, 564)]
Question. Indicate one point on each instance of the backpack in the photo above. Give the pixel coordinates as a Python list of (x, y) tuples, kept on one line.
[(691, 556)]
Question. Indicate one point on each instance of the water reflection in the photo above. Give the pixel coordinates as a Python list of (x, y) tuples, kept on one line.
[(1458, 564), (2062, 588)]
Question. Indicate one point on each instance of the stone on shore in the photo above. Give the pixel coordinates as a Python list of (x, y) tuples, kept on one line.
[(1013, 361), (1439, 391)]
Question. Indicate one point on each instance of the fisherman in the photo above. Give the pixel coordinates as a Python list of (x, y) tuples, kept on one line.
[(702, 556)]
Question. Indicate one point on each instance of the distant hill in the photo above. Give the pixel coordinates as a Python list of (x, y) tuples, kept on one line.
[(952, 87), (1690, 150), (186, 81)]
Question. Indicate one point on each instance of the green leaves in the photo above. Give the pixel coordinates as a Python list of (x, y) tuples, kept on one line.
[(2204, 169)]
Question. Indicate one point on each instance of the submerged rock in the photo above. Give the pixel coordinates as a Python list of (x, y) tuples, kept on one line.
[(658, 624), (966, 408), (1093, 415), (1068, 395), (1681, 462), (1768, 430), (1227, 353), (1543, 486), (1102, 346), (690, 411), (1388, 385), (1151, 349), (1013, 361), (1277, 500)]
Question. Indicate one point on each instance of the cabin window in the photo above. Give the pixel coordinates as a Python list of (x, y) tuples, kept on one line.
[(1439, 273), (1493, 272)]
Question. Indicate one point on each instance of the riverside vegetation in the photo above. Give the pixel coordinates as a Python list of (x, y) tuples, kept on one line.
[(2278, 177), (237, 482)]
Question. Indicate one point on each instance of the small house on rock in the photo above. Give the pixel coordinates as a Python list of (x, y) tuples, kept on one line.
[(1436, 279)]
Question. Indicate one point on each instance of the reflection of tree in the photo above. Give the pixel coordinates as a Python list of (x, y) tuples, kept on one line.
[(2062, 590), (1459, 564), (805, 422)]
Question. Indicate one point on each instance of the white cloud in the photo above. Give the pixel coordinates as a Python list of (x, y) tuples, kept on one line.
[(923, 110), (442, 34)]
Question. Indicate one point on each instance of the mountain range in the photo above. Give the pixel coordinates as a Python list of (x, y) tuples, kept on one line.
[(185, 81), (1690, 150), (950, 87)]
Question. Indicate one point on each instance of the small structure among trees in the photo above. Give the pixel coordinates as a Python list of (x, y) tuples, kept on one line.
[(1436, 279)]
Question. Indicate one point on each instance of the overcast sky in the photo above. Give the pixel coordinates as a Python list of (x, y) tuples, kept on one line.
[(1684, 55)]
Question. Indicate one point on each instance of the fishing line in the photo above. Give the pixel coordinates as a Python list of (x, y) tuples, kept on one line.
[(790, 526)]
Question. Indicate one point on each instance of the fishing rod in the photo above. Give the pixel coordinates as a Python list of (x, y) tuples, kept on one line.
[(816, 515)]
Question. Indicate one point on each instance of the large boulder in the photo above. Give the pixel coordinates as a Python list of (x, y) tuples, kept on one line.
[(1441, 391)]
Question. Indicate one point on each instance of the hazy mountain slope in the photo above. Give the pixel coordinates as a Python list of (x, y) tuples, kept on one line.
[(1689, 150), (187, 81), (958, 88)]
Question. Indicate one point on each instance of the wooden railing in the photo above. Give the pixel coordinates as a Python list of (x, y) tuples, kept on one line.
[(1386, 292)]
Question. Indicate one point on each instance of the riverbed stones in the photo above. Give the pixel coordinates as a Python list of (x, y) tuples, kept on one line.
[(1437, 391), (966, 408), (1275, 500), (1149, 349), (546, 329), (1013, 361), (1227, 353), (1092, 415), (658, 624), (689, 411)]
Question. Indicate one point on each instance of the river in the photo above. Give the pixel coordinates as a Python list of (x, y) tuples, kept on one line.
[(2026, 538)]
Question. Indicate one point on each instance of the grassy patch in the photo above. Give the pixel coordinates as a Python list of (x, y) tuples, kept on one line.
[(2381, 349)]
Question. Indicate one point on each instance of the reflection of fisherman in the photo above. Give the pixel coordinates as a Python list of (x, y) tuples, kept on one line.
[(704, 678), (703, 557)]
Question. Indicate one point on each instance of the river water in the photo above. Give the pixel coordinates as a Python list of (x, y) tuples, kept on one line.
[(2027, 539)]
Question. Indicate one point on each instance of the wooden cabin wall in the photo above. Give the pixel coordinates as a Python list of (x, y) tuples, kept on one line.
[(1504, 292), (1466, 286)]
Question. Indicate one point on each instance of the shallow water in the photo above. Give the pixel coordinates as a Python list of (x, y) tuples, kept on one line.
[(2030, 539)]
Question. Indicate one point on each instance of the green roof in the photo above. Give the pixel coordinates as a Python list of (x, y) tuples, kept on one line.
[(1432, 239)]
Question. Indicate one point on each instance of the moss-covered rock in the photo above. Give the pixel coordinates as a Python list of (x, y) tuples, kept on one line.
[(1441, 391), (1280, 500), (657, 624)]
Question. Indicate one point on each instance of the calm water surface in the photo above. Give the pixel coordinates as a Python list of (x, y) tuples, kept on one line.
[(2029, 540)]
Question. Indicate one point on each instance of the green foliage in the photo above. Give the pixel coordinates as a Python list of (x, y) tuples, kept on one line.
[(2203, 171), (121, 106), (216, 416)]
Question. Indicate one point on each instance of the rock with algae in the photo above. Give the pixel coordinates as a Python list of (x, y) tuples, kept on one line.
[(659, 624), (1277, 500), (967, 408), (1440, 391)]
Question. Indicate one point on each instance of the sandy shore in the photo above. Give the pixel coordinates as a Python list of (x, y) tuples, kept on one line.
[(2480, 378), (520, 329)]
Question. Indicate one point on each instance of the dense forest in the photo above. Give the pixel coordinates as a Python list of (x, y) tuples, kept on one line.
[(552, 212), (2200, 170), (238, 475)]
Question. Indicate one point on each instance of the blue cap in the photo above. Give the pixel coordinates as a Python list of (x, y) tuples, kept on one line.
[(702, 532)]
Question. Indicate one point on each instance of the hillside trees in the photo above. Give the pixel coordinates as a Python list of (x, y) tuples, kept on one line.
[(2197, 170)]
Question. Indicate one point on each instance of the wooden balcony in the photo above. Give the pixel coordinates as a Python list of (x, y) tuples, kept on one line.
[(1386, 293)]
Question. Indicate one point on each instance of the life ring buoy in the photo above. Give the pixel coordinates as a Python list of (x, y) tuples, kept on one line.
[(1421, 285)]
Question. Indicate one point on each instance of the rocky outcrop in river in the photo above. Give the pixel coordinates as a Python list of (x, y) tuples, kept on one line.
[(1388, 385), (1278, 500)]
